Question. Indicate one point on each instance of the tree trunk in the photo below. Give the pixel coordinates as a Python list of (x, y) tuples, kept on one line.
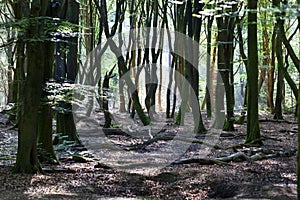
[(46, 113), (105, 90), (208, 68), (226, 26), (171, 74), (66, 70), (121, 61), (253, 130), (219, 103), (27, 160), (298, 154), (280, 79)]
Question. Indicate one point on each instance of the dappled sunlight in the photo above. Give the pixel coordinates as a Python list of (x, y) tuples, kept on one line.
[(149, 99)]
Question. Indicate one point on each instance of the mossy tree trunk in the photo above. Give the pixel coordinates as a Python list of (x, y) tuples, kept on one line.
[(27, 160), (253, 130), (46, 150)]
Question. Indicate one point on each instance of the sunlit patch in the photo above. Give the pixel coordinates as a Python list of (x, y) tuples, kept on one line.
[(290, 176)]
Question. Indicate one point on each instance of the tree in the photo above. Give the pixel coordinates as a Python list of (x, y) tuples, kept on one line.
[(66, 69), (46, 150), (226, 24), (253, 130), (123, 70), (191, 26), (279, 55), (27, 161), (298, 154), (21, 11), (208, 67), (105, 93), (267, 69)]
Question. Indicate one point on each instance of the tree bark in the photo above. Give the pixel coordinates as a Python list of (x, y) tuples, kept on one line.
[(226, 26), (66, 70), (279, 55), (208, 68), (27, 160), (298, 154), (46, 113), (253, 130)]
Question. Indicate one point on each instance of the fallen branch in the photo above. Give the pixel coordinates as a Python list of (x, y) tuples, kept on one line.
[(115, 131), (236, 157), (81, 159), (202, 161), (277, 121), (271, 138), (57, 170), (169, 138)]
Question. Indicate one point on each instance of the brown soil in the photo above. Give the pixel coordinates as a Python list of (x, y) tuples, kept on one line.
[(269, 178)]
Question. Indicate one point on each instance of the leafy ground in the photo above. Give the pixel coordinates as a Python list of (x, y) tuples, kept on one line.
[(266, 172)]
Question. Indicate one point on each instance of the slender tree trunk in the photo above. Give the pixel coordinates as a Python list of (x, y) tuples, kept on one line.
[(208, 67), (271, 74), (266, 61), (219, 104), (9, 53), (298, 154), (253, 130), (169, 89), (279, 55), (105, 90), (226, 26), (245, 61), (270, 71), (19, 77), (160, 83)]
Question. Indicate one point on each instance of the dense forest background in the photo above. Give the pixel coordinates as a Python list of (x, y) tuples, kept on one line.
[(68, 67)]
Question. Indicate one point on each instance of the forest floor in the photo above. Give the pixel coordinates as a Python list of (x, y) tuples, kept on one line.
[(268, 174)]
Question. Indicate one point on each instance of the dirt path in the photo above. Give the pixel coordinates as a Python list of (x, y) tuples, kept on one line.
[(272, 178)]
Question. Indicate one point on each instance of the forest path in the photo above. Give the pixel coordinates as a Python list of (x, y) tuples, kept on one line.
[(272, 178)]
